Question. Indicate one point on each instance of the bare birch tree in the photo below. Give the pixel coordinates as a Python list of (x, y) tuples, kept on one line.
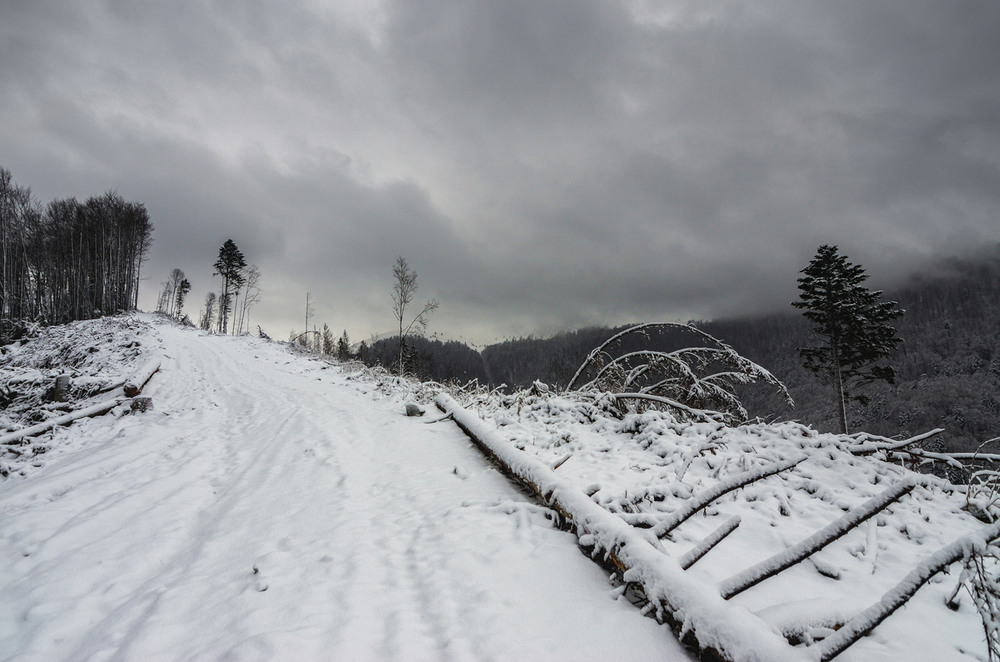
[(404, 288)]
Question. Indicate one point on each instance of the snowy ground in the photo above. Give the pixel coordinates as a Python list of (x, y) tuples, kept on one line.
[(272, 507)]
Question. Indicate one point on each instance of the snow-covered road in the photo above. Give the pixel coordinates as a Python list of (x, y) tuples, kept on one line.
[(271, 508)]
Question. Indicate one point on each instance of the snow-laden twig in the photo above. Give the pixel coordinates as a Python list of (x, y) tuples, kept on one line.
[(727, 630), (597, 351), (708, 542), (983, 493), (66, 419), (702, 499), (985, 457), (697, 414), (899, 450), (897, 596), (979, 578), (872, 443), (817, 541)]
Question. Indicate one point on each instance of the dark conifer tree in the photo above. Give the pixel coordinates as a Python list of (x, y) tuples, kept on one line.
[(853, 322), (344, 347), (230, 266), (328, 344), (182, 291)]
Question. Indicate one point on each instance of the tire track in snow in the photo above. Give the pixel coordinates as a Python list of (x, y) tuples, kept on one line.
[(245, 472), (268, 509)]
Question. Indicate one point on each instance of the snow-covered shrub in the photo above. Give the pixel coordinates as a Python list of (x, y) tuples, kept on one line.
[(697, 382), (981, 579), (983, 494)]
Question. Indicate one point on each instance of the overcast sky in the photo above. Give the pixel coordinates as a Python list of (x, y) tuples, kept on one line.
[(542, 164)]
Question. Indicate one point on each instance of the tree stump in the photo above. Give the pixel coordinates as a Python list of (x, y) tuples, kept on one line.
[(60, 393)]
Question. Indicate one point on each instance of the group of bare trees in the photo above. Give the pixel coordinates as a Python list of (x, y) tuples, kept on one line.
[(228, 311), (69, 260), (409, 323), (173, 294)]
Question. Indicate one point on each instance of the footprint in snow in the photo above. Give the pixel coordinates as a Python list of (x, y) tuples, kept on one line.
[(258, 583)]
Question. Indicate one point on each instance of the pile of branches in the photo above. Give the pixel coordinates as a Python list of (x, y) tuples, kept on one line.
[(696, 383)]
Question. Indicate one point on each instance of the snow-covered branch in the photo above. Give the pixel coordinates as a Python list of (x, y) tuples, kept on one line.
[(711, 540), (699, 501), (897, 596), (872, 443), (817, 541)]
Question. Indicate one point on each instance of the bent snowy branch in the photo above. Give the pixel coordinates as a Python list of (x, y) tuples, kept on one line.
[(690, 381)]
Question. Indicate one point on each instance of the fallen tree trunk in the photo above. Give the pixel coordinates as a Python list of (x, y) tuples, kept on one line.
[(34, 430), (718, 629), (134, 384)]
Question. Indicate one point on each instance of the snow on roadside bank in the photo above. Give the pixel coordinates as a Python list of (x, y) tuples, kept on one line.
[(272, 506), (96, 355)]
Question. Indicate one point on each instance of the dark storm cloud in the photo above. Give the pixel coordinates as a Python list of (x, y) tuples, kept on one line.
[(541, 164)]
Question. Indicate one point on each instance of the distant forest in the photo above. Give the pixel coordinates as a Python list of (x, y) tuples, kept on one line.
[(948, 368), (68, 260)]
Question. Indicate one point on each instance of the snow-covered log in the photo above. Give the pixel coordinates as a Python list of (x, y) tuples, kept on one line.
[(134, 384), (717, 627), (897, 596), (702, 499), (817, 541), (66, 419)]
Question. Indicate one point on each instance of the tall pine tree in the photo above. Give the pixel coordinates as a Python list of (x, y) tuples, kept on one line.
[(853, 322), (230, 266)]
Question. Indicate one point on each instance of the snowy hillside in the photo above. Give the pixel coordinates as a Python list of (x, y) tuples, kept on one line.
[(275, 506)]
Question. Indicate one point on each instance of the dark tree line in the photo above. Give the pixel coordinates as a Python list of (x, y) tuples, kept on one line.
[(450, 361), (69, 260)]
